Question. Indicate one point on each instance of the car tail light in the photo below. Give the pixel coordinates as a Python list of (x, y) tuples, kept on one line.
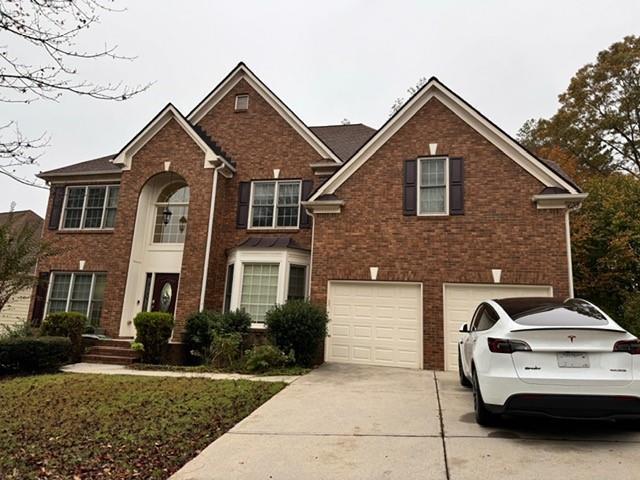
[(503, 345), (627, 346)]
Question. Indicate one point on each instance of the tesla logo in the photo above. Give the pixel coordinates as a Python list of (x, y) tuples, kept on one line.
[(571, 337)]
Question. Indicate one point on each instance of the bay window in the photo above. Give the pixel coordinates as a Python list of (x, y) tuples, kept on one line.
[(90, 207), (275, 204), (77, 292), (258, 279)]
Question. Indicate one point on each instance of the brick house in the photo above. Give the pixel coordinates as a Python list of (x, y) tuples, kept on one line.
[(400, 231)]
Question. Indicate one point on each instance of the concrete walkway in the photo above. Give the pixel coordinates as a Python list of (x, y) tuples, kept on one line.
[(103, 369), (351, 422)]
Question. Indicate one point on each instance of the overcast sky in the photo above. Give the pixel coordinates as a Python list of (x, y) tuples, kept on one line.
[(327, 60)]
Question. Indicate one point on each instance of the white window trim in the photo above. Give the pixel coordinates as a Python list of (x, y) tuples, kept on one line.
[(283, 257), (84, 207), (238, 97), (274, 220), (72, 282), (160, 246), (446, 187)]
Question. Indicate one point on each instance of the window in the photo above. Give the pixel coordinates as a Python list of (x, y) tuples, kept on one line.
[(228, 288), (484, 319), (275, 204), (172, 212), (432, 194), (242, 102), (90, 208), (78, 292), (297, 282), (259, 289)]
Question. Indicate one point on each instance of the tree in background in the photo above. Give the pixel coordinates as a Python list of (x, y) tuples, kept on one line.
[(400, 101), (21, 248), (595, 137), (46, 32), (598, 122)]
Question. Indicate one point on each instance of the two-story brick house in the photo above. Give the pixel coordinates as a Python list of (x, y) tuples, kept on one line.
[(400, 231)]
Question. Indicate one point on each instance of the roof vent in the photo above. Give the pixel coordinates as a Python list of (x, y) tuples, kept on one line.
[(242, 103)]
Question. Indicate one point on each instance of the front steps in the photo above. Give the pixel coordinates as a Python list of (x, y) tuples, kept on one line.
[(112, 352)]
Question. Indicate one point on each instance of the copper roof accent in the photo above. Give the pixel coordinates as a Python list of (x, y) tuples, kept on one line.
[(271, 242), (344, 140)]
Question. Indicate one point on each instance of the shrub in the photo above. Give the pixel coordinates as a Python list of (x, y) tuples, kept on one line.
[(198, 333), (153, 331), (299, 326), (66, 324), (225, 349), (237, 321), (22, 329), (266, 357), (202, 328), (33, 354)]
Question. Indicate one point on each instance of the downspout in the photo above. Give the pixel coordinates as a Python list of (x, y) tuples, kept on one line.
[(313, 235), (205, 270), (567, 225)]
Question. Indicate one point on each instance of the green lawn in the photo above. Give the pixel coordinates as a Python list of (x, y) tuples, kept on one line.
[(70, 426), (293, 370)]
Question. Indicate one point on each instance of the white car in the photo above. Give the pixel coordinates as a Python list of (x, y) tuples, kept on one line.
[(544, 356)]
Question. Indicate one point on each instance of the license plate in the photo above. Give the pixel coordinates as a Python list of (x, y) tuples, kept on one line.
[(573, 360)]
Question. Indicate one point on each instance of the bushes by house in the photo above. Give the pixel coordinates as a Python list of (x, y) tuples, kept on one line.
[(66, 324), (208, 331), (153, 331), (262, 358), (33, 354), (297, 326)]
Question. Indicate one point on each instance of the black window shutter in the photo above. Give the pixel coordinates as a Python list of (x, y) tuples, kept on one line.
[(307, 188), (410, 197), (244, 194), (456, 186), (40, 300), (57, 200)]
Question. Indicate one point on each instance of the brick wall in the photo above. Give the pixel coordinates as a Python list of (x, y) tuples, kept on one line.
[(259, 140), (501, 227)]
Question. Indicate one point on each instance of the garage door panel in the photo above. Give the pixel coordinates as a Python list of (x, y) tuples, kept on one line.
[(460, 302), (375, 323)]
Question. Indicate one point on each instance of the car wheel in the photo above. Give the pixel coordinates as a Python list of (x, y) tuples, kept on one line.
[(483, 416), (464, 381)]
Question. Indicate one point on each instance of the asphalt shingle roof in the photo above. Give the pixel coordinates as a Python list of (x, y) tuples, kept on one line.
[(97, 165), (344, 140)]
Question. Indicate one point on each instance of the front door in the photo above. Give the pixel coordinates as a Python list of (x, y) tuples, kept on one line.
[(165, 291)]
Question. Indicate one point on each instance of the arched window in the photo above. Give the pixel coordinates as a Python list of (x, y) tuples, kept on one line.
[(172, 212)]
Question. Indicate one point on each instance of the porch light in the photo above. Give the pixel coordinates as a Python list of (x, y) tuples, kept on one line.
[(166, 215), (182, 224)]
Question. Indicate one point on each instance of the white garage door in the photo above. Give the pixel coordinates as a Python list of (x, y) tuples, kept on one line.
[(375, 323), (460, 301)]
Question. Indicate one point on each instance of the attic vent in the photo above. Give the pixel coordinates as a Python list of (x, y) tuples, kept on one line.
[(242, 102)]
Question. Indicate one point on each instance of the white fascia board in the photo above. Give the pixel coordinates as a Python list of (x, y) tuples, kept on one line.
[(125, 157), (558, 200), (434, 89), (242, 72)]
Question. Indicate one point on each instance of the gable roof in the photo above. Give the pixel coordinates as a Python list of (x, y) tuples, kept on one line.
[(97, 166), (212, 152), (344, 140), (542, 170), (23, 218), (240, 72)]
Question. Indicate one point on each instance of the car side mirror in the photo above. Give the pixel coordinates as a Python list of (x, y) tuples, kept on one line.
[(464, 328)]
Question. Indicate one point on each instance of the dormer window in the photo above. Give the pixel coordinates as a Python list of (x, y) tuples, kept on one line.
[(242, 102), (275, 204)]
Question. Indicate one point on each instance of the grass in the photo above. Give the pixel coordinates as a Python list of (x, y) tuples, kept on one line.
[(71, 426), (211, 369)]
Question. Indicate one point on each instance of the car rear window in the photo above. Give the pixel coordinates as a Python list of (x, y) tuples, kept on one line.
[(571, 313)]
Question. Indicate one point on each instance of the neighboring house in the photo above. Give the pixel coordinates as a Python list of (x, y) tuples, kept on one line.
[(16, 311), (400, 231)]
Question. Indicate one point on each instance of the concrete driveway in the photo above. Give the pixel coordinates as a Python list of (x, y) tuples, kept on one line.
[(353, 422)]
